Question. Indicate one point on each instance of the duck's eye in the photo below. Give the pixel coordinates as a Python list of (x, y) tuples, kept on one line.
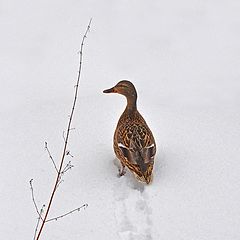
[(121, 86)]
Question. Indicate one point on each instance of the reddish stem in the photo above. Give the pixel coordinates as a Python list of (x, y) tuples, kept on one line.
[(67, 135)]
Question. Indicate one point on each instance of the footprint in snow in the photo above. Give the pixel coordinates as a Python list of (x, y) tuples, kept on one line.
[(132, 211)]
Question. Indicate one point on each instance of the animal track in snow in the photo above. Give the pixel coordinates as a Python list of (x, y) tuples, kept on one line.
[(132, 211)]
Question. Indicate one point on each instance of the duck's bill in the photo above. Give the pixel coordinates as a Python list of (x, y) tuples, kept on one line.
[(146, 176), (144, 179), (110, 90)]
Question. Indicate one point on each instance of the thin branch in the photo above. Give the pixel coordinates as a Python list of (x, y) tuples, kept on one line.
[(33, 199), (69, 154), (68, 130), (38, 221), (67, 167), (59, 182), (63, 135), (50, 156), (64, 215)]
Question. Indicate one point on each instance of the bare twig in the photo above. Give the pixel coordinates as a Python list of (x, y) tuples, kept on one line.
[(63, 135), (64, 215), (50, 156), (69, 154), (38, 221), (59, 182), (67, 167), (33, 199), (68, 130)]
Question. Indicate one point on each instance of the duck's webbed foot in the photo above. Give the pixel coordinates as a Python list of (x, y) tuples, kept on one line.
[(121, 171)]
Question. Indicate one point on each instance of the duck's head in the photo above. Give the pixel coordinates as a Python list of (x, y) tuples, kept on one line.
[(144, 173), (125, 88), (146, 177)]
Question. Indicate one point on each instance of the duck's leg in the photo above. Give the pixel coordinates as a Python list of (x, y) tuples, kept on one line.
[(122, 170)]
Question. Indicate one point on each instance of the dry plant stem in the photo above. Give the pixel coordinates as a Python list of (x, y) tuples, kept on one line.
[(63, 135), (69, 166), (33, 199), (50, 156), (38, 221), (64, 215), (68, 130)]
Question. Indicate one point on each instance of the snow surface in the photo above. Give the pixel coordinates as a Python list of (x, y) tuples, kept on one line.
[(183, 57)]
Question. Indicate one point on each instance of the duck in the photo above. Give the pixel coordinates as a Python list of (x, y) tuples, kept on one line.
[(133, 141)]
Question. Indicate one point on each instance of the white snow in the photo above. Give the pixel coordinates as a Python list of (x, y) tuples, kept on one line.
[(182, 56)]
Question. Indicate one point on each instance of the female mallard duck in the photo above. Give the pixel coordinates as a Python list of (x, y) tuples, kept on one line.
[(134, 144)]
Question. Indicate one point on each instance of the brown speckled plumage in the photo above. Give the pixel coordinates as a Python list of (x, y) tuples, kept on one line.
[(134, 144)]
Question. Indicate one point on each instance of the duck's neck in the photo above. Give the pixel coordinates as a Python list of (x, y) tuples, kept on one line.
[(131, 103)]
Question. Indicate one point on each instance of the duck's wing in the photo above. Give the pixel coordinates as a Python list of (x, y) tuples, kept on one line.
[(138, 146)]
